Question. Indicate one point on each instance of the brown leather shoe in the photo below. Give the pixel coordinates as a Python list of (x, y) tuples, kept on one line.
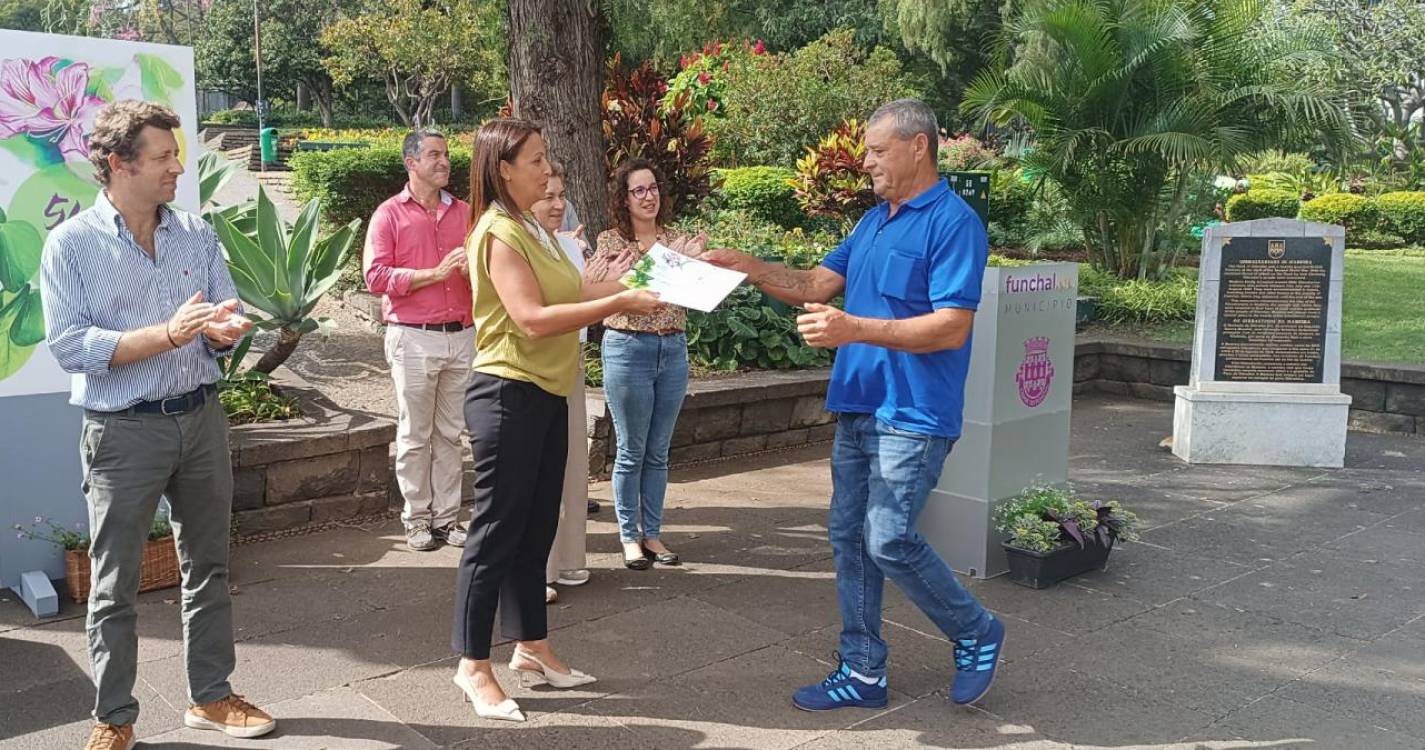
[(232, 716), (111, 737)]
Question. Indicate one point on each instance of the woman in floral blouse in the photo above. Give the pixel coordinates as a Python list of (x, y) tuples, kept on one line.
[(645, 366)]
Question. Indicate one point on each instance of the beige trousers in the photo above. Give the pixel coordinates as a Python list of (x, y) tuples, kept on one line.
[(568, 550), (430, 369)]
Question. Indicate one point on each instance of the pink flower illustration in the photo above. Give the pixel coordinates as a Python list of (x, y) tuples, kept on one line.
[(34, 99)]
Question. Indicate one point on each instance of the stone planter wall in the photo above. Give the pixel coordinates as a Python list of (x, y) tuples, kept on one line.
[(736, 415), (327, 465), (1385, 398)]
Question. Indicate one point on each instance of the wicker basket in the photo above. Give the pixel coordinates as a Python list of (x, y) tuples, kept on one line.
[(159, 569)]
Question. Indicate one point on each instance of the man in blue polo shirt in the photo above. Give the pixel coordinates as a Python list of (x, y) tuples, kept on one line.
[(911, 273)]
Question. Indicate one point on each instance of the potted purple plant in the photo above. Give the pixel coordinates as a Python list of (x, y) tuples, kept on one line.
[(1054, 534)]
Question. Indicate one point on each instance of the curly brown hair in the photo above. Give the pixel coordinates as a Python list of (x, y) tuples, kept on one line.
[(618, 197), (117, 128)]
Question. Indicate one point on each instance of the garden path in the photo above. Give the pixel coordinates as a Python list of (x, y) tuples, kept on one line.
[(1264, 608)]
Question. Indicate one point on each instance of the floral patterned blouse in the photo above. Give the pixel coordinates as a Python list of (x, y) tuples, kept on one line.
[(667, 318)]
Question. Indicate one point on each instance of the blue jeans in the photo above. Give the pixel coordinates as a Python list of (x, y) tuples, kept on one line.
[(645, 379), (881, 477)]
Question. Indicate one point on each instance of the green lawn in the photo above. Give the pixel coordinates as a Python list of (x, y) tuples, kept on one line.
[(1383, 318)]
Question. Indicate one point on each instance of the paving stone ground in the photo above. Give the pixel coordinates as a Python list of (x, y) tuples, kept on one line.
[(1264, 608)]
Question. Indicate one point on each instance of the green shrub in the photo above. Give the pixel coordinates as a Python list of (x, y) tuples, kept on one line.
[(766, 192), (352, 182), (1263, 204), (1374, 239), (777, 104), (1011, 200), (746, 331), (799, 247), (1354, 212), (1140, 301), (1275, 160), (965, 153), (1403, 214)]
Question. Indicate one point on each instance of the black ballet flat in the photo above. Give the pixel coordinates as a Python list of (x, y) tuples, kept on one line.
[(637, 563), (662, 558)]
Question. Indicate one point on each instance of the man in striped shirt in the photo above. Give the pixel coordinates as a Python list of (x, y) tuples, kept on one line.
[(138, 304)]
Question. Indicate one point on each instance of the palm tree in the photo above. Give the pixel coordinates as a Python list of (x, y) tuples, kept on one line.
[(1126, 99)]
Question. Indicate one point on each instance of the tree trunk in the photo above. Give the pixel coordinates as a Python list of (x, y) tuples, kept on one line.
[(287, 340), (556, 80), (324, 103), (457, 103), (303, 103)]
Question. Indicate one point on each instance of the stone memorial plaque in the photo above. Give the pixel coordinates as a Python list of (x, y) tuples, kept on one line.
[(1272, 309)]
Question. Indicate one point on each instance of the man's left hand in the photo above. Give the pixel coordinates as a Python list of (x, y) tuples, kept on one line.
[(228, 326), (826, 327)]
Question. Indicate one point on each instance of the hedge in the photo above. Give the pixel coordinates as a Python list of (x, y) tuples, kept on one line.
[(1403, 214), (352, 182), (765, 192), (1354, 212), (1263, 204)]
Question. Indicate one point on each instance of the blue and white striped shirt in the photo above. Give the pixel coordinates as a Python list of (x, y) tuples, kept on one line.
[(97, 284)]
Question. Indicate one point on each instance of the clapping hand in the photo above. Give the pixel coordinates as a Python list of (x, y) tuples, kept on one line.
[(452, 262), (227, 326), (191, 318)]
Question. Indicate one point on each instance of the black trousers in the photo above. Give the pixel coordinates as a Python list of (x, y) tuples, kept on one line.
[(519, 435)]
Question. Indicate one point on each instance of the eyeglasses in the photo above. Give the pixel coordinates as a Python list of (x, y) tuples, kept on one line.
[(643, 191)]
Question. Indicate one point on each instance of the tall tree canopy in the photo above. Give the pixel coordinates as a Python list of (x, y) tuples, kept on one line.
[(418, 49)]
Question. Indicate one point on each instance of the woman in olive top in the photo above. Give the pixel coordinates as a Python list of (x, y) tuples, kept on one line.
[(530, 302)]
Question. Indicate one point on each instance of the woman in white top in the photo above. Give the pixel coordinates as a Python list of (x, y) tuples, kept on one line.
[(566, 558)]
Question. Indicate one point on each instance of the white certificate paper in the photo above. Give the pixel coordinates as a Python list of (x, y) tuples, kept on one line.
[(680, 280)]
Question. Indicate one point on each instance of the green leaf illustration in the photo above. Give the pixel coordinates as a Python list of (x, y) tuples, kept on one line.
[(103, 80), (12, 356), (158, 77), (28, 327), (20, 248)]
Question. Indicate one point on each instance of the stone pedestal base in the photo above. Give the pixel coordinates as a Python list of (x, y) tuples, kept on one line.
[(1269, 429)]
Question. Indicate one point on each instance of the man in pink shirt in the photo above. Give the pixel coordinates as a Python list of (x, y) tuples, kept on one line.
[(415, 259)]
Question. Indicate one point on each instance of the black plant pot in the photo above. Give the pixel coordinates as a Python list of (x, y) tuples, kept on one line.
[(1040, 570)]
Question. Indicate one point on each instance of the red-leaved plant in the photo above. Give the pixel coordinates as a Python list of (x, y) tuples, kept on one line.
[(830, 181), (637, 125)]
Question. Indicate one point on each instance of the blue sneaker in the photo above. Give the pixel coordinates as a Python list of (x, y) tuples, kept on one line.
[(975, 662), (841, 690)]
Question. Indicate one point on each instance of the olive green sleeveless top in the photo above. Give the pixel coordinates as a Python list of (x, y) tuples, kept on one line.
[(502, 349)]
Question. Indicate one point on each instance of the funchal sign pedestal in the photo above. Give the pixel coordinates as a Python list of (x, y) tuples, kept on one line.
[(45, 178), (1265, 386), (1017, 404)]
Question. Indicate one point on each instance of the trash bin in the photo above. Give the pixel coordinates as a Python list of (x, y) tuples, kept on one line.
[(267, 139)]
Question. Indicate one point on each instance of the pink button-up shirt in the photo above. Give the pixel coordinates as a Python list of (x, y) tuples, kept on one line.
[(404, 237)]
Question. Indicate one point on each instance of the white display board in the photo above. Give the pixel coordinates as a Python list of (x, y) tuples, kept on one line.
[(51, 88)]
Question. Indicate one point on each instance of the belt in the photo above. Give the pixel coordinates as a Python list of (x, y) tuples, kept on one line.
[(183, 404), (661, 332), (454, 326)]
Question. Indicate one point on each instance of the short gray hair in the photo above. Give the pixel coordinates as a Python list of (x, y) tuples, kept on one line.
[(411, 147), (912, 116)]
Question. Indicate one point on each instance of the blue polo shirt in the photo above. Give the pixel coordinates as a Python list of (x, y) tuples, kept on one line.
[(931, 255)]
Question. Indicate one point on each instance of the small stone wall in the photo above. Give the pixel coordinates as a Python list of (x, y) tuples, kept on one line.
[(1385, 398), (734, 415), (328, 465)]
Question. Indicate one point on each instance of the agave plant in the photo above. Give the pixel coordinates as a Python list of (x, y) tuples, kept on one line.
[(213, 173), (1127, 99), (283, 271)]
